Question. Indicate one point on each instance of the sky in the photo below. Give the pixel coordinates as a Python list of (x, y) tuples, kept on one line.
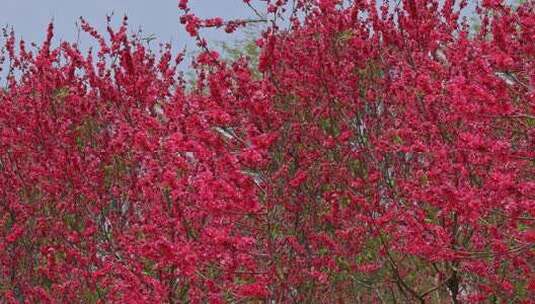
[(30, 18)]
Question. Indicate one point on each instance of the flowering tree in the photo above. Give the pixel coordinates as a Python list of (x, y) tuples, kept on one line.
[(372, 154)]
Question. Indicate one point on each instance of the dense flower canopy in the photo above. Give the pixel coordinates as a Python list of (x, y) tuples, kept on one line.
[(373, 153)]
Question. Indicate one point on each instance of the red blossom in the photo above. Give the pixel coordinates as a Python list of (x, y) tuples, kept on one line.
[(374, 154)]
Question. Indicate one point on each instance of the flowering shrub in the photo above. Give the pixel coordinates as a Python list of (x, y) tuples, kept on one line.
[(376, 154)]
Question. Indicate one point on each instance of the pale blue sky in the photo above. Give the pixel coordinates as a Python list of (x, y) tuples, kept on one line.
[(30, 18), (160, 17)]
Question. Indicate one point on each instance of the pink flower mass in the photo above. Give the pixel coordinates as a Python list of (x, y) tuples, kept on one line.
[(372, 153)]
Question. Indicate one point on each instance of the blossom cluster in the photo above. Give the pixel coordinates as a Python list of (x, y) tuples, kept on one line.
[(372, 154)]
